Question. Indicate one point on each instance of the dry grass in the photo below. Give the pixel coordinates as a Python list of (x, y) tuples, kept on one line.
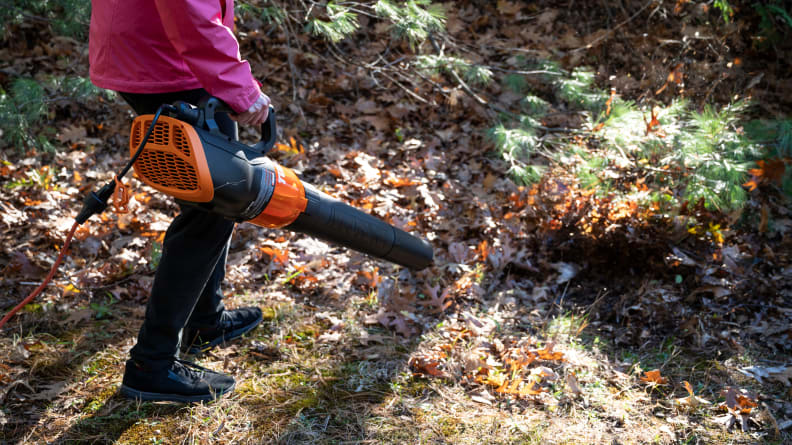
[(294, 388)]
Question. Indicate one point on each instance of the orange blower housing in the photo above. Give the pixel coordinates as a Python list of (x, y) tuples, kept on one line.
[(213, 172)]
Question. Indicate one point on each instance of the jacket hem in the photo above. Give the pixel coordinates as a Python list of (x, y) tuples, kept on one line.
[(144, 87)]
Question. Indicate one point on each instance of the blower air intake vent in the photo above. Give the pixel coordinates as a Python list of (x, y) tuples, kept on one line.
[(165, 169), (173, 160)]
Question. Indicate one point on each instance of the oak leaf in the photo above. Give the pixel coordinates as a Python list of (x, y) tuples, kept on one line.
[(652, 125), (572, 383), (770, 171), (691, 400), (547, 353), (654, 377), (277, 255)]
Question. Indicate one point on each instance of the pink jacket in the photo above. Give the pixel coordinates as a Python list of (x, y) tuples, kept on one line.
[(161, 46)]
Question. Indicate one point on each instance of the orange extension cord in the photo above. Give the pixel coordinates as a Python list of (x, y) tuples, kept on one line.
[(46, 281), (120, 195)]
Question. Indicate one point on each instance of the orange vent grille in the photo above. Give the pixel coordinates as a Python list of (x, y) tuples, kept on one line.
[(173, 160)]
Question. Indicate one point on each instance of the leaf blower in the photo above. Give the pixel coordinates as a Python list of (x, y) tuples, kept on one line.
[(184, 154), (187, 157)]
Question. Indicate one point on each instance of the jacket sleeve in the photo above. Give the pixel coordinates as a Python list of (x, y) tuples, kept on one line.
[(195, 28)]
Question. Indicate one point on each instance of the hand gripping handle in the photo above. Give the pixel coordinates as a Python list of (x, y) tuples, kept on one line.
[(269, 129)]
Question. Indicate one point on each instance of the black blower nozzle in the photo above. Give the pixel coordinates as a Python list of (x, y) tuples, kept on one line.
[(329, 219), (189, 159)]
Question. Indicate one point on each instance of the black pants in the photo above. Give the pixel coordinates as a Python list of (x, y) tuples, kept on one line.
[(186, 289)]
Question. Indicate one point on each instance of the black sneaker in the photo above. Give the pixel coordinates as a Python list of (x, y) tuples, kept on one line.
[(181, 382), (233, 324)]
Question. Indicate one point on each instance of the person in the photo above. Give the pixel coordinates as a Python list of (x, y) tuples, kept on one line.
[(155, 52)]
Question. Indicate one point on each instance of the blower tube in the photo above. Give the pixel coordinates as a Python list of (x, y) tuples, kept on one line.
[(187, 158), (331, 220)]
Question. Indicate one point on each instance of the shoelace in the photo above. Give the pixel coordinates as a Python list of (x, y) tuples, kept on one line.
[(190, 369)]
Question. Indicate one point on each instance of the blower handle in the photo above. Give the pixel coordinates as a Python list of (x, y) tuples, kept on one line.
[(269, 133), (269, 129)]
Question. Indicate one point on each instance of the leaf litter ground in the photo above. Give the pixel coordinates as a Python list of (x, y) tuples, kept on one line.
[(551, 316)]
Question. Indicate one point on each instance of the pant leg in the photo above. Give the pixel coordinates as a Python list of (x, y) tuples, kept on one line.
[(209, 307), (192, 265), (210, 304), (193, 246)]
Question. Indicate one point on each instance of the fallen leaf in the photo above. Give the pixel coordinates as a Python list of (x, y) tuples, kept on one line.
[(366, 106), (48, 392), (654, 377), (73, 133), (692, 400), (400, 182), (652, 125), (427, 365), (769, 171), (547, 353), (782, 374), (79, 315), (674, 77), (572, 384), (545, 373)]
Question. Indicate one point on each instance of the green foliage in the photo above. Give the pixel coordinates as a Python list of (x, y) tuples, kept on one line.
[(42, 179), (28, 102), (534, 105), (515, 82), (75, 88), (775, 17), (154, 255), (104, 309), (516, 146), (686, 156), (269, 13), (726, 9), (697, 155), (579, 92), (341, 23), (414, 20), (775, 20), (435, 64), (715, 155), (65, 17), (20, 109)]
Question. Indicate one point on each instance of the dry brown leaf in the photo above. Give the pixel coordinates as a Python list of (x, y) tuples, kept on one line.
[(427, 366), (544, 373), (548, 354), (400, 182), (76, 316), (509, 8), (73, 133), (652, 125), (572, 384), (654, 377), (770, 171), (692, 400), (739, 404)]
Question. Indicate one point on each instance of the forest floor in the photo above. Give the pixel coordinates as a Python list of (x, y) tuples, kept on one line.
[(522, 331)]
